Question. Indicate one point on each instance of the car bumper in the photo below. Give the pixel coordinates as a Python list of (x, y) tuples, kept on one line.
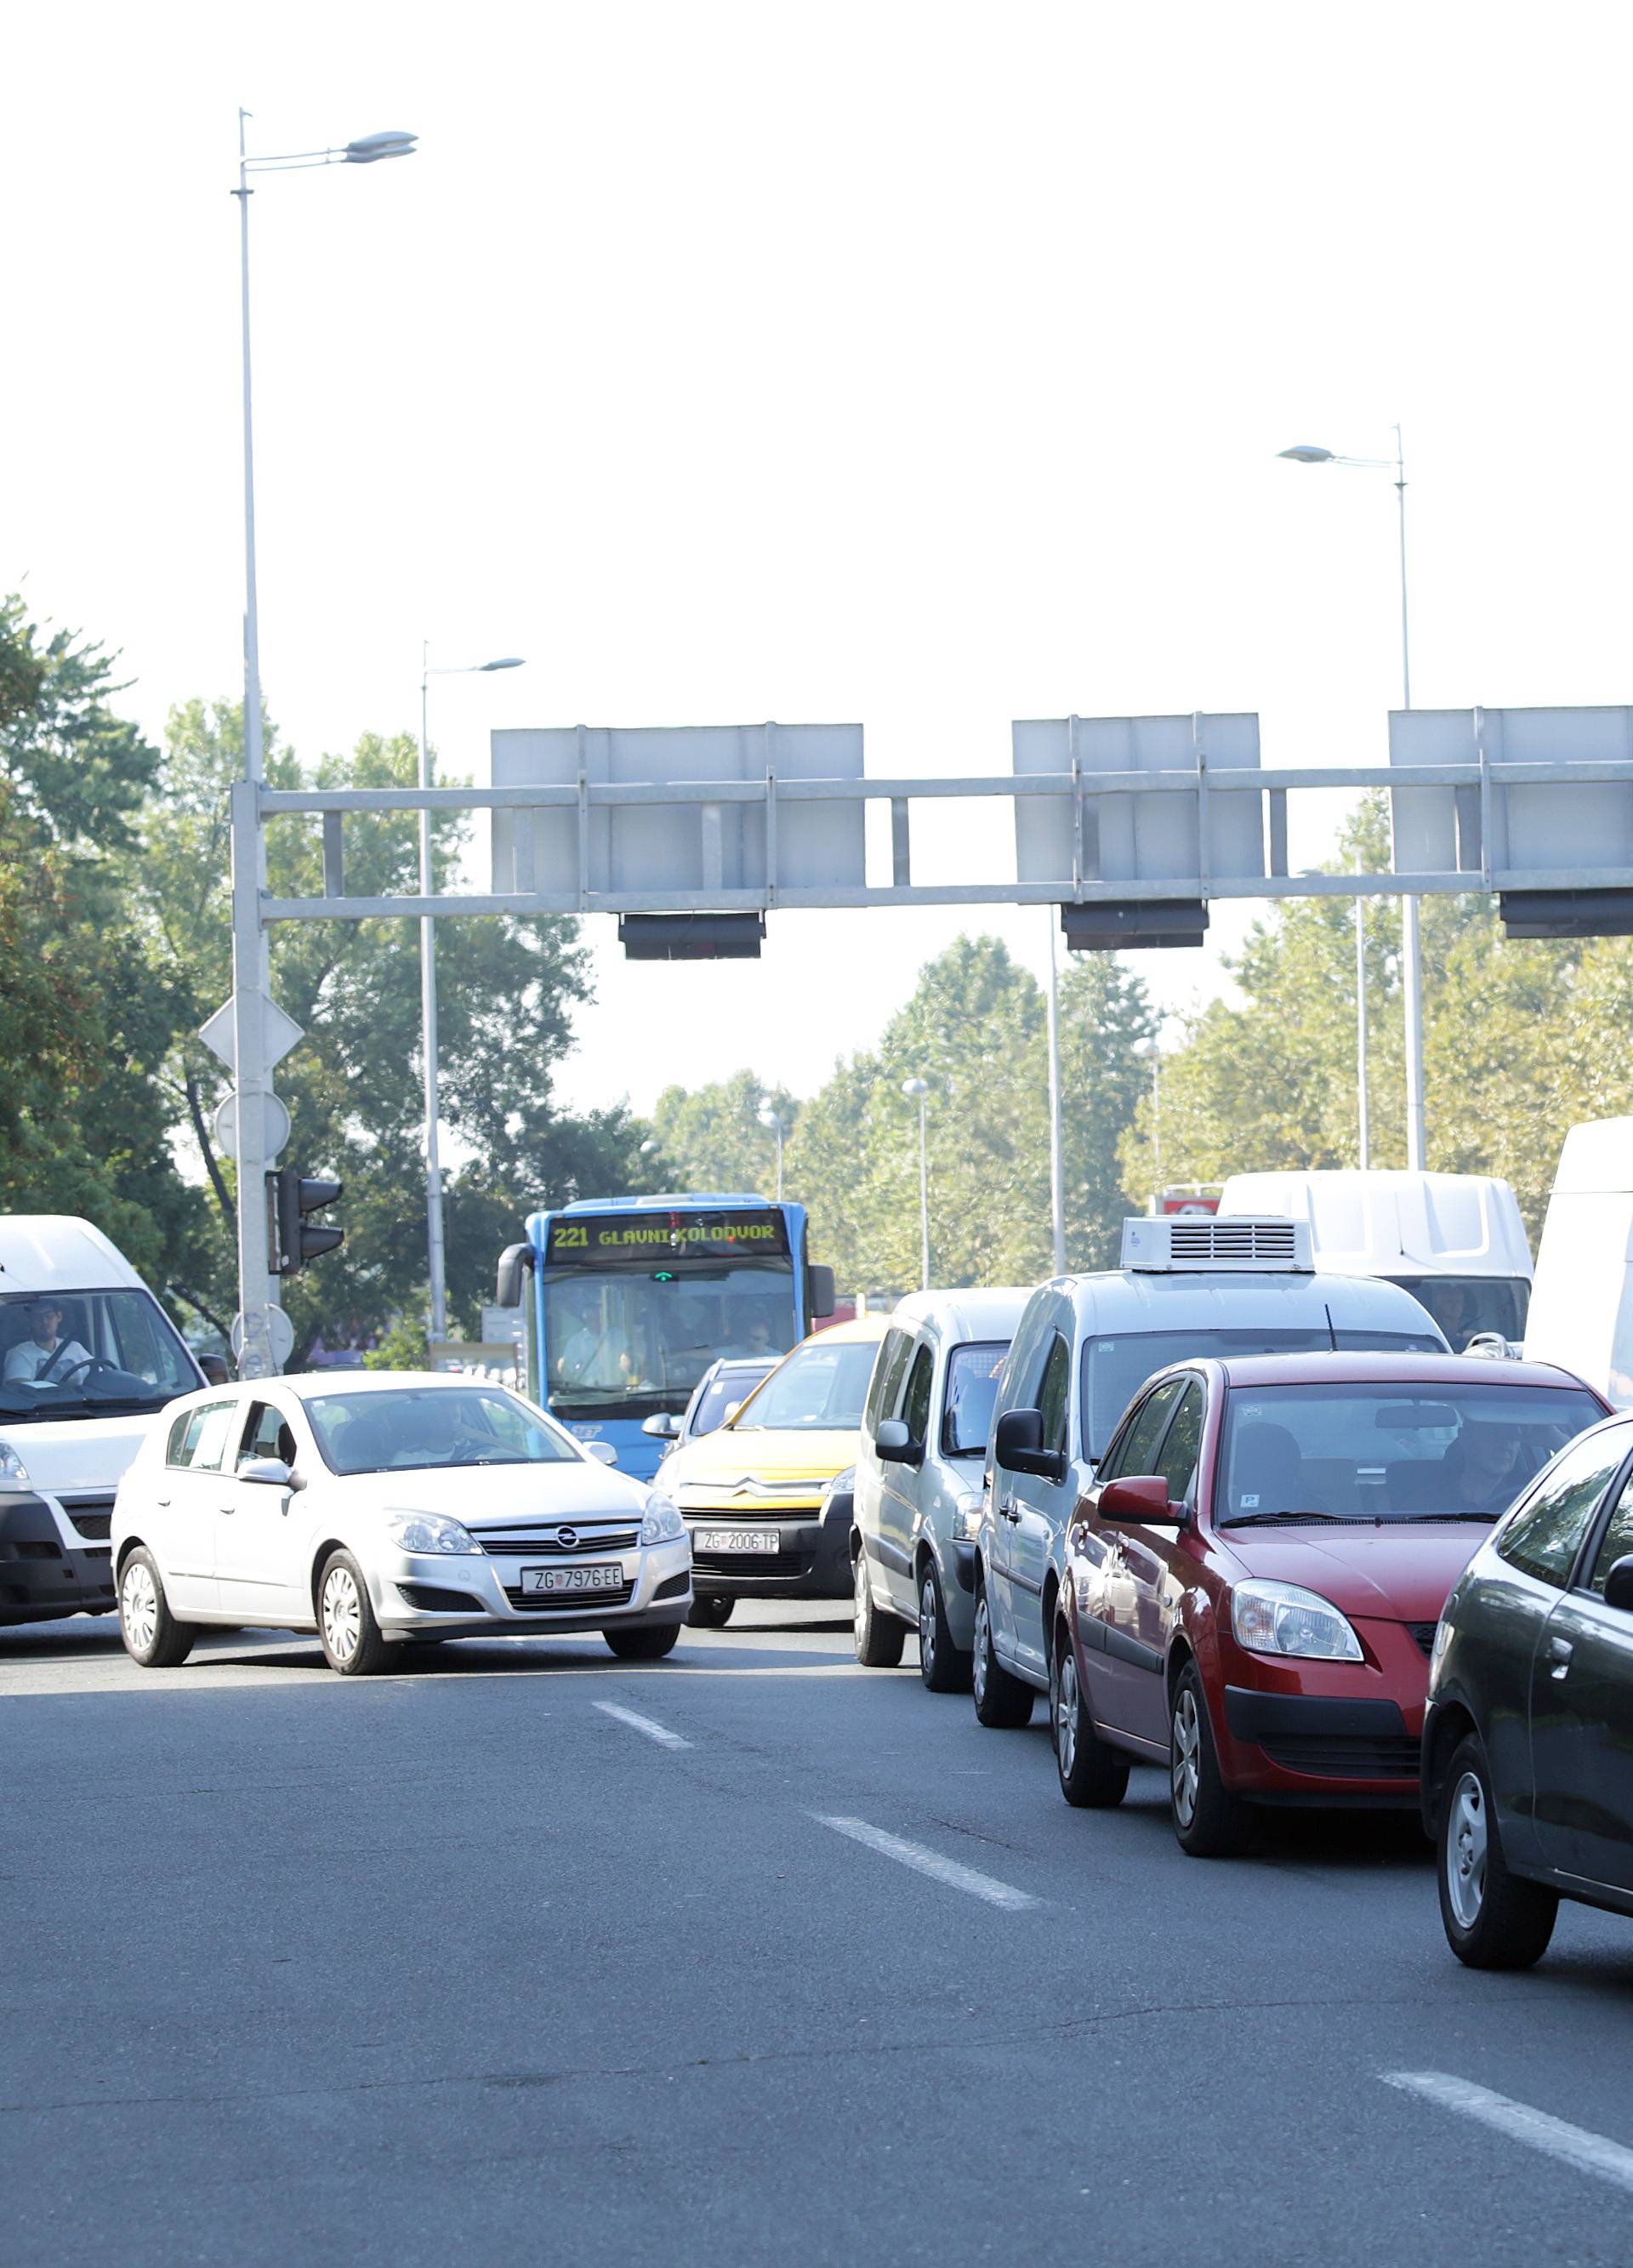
[(460, 1595), (1309, 1748), (47, 1572), (811, 1561)]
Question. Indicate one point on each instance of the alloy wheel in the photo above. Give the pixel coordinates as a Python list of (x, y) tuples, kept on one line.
[(1066, 1708), (983, 1637), (1466, 1845), (927, 1623), (1187, 1758), (862, 1598), (342, 1612), (138, 1601)]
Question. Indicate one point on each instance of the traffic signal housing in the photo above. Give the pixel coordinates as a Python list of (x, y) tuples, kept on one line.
[(294, 1196)]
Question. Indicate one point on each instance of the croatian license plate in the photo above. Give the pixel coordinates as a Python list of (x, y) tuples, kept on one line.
[(736, 1539), (572, 1579)]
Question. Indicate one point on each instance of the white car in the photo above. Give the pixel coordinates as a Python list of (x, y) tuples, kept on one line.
[(376, 1508)]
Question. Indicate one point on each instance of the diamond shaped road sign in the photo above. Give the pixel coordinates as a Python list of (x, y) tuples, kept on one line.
[(279, 1032)]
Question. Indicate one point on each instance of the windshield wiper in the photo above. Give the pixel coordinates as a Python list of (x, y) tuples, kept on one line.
[(1278, 1519), (1439, 1519)]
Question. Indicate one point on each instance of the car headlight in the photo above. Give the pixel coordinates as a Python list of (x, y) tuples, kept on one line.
[(1285, 1618), (428, 1531), (842, 1484), (663, 1523), (13, 1472)]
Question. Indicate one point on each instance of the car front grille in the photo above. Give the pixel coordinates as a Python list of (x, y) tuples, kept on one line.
[(1424, 1633), (90, 1514), (752, 1562), (568, 1602), (525, 1544), (1325, 1755)]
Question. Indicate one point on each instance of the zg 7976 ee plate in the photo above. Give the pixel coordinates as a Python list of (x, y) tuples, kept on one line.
[(573, 1579)]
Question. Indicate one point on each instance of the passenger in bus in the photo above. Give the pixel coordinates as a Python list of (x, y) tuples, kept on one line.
[(750, 1334)]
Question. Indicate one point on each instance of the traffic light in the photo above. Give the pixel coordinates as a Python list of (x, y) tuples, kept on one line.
[(298, 1240)]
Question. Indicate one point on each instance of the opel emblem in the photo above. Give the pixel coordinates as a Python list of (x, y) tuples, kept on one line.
[(567, 1539)]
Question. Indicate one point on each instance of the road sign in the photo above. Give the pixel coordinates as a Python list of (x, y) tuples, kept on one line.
[(279, 1032), (280, 1329), (274, 1125)]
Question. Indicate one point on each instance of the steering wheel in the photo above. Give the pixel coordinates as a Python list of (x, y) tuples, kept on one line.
[(91, 1367)]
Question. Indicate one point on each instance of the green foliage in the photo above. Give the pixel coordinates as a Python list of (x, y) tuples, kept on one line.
[(710, 1138), (405, 1346)]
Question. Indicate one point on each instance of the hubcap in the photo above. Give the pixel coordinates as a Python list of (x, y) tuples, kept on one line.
[(863, 1600), (342, 1614), (1187, 1758), (1465, 1843), (1066, 1710), (927, 1623), (983, 1637), (138, 1605)]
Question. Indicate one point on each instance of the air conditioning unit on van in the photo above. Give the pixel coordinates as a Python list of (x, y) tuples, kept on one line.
[(1169, 1245)]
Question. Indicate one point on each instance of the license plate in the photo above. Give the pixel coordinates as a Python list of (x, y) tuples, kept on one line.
[(736, 1539), (572, 1579)]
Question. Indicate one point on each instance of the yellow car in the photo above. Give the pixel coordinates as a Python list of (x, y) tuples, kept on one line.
[(758, 1494)]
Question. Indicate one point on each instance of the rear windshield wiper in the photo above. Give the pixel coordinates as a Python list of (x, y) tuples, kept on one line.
[(1277, 1519)]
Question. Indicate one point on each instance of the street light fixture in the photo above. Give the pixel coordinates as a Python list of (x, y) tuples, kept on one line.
[(428, 985), (917, 1090), (1310, 452), (259, 1356), (767, 1117)]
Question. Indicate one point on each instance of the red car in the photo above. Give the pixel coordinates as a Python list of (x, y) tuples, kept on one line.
[(1252, 1584)]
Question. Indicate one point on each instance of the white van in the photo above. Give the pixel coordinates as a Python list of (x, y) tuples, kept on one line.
[(1582, 1303), (1455, 1242), (87, 1355)]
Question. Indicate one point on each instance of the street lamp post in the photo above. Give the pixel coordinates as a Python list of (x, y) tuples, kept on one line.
[(254, 1141), (770, 1118), (1307, 453), (428, 993), (1057, 1188), (917, 1090)]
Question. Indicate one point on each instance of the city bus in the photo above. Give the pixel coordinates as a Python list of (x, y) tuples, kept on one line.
[(626, 1301)]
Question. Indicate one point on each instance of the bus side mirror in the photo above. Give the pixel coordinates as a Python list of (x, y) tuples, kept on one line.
[(514, 1262), (820, 1295)]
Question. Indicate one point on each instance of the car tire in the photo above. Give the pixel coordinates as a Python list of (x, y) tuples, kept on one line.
[(154, 1637), (1209, 1820), (709, 1611), (943, 1667), (880, 1637), (649, 1644), (1094, 1775), (351, 1637), (1002, 1701), (1493, 1919)]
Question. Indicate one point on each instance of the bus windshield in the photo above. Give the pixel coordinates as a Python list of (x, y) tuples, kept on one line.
[(628, 1342)]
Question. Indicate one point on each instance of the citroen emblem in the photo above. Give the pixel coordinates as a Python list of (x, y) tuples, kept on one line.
[(567, 1539)]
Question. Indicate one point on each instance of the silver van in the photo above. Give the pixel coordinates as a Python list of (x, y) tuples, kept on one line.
[(1082, 1351), (918, 1478)]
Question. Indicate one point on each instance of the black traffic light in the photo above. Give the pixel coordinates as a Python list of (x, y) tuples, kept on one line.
[(298, 1240)]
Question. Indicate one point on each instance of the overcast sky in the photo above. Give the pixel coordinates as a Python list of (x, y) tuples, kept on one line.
[(923, 365)]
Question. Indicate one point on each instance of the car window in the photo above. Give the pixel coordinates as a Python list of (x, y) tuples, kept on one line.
[(1617, 1543), (267, 1434), (972, 1388), (204, 1436), (915, 1405), (721, 1393), (1136, 1451), (423, 1426), (1544, 1535), (1176, 1460), (1052, 1393), (887, 1369)]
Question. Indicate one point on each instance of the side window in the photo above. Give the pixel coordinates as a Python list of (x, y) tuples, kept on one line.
[(267, 1434), (1138, 1453), (1176, 1461), (1053, 1393), (1543, 1538), (205, 1438), (881, 1394), (916, 1408), (1618, 1540), (175, 1452)]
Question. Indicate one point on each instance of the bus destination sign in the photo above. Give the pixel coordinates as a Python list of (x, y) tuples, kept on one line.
[(657, 1239)]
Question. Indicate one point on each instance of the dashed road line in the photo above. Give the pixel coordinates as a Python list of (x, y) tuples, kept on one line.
[(1575, 2146), (649, 1726), (925, 1861)]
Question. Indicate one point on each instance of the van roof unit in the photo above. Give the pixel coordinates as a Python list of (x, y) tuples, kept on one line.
[(1180, 1244)]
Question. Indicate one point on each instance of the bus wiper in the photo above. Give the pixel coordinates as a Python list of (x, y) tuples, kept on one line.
[(1277, 1519)]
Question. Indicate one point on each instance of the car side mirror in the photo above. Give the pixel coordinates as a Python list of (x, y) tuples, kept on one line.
[(215, 1369), (1144, 1499), (1619, 1586), (1018, 1446), (730, 1410), (603, 1452), (663, 1426), (272, 1470), (896, 1445)]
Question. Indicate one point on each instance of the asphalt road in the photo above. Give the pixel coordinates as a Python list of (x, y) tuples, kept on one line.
[(464, 1965)]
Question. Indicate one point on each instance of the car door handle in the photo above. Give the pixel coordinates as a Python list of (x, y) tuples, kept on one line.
[(1559, 1653), (225, 1510)]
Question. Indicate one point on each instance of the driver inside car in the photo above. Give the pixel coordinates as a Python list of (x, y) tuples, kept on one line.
[(44, 1358)]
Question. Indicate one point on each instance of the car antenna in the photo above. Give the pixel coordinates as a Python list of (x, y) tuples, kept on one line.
[(1331, 1333)]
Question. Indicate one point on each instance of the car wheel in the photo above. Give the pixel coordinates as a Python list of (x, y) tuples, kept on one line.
[(1092, 1774), (1001, 1701), (352, 1642), (710, 1610), (880, 1637), (1209, 1821), (1493, 1919), (942, 1666), (648, 1645), (152, 1635)]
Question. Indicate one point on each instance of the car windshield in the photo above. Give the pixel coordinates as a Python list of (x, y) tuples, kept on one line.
[(1464, 1304), (1372, 1452), (1115, 1369), (973, 1373), (820, 1388), (733, 1385), (417, 1426), (89, 1354)]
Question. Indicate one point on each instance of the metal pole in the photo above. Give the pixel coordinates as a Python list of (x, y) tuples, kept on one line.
[(1157, 1121), (428, 1032), (923, 1185), (1057, 1191), (1411, 948), (1360, 1034), (779, 1161)]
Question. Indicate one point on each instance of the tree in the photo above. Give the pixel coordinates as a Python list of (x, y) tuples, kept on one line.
[(710, 1138)]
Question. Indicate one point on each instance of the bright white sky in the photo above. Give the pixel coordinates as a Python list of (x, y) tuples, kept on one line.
[(923, 364)]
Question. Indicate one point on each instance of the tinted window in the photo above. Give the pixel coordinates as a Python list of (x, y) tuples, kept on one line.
[(1053, 1393), (916, 1408), (1463, 1304), (1137, 1451), (1182, 1445), (1618, 1539), (1545, 1535), (972, 1388), (718, 1396)]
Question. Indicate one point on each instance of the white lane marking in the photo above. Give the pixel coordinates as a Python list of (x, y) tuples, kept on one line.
[(1577, 2145), (930, 1862), (653, 1731)]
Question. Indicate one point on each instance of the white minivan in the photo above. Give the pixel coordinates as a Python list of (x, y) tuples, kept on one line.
[(1582, 1305), (1082, 1351), (87, 1355), (916, 1503)]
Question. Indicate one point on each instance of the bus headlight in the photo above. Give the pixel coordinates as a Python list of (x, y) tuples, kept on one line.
[(663, 1523)]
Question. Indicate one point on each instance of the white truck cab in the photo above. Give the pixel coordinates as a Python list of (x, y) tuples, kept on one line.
[(88, 1356), (1582, 1303), (1456, 1242)]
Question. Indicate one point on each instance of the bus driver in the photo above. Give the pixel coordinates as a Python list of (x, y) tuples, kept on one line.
[(596, 1353)]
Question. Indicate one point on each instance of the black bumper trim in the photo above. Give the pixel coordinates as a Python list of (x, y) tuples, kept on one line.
[(1262, 1717)]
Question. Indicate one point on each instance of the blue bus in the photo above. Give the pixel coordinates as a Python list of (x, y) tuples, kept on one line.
[(631, 1299)]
